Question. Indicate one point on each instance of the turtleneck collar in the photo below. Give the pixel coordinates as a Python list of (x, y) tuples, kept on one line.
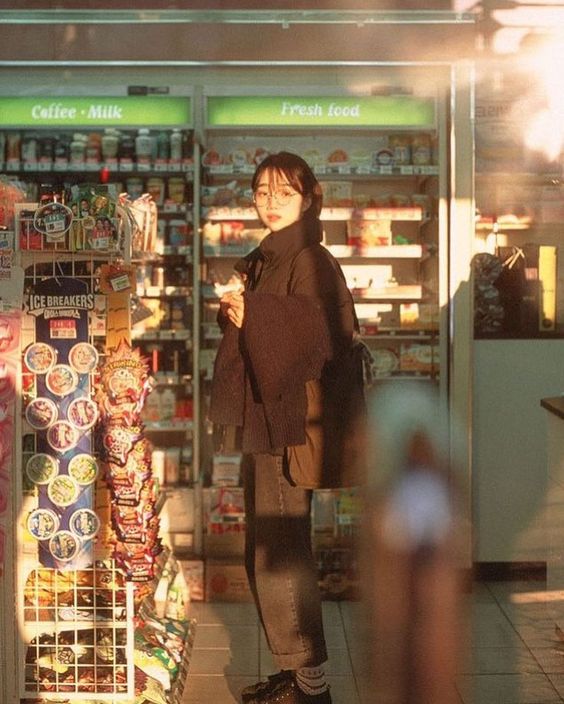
[(290, 240)]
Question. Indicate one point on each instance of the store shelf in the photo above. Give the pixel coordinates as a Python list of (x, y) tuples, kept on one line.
[(407, 293), (166, 292), (334, 170), (80, 168), (211, 252), (161, 335), (401, 335), (406, 214), (394, 251), (168, 426), (171, 379)]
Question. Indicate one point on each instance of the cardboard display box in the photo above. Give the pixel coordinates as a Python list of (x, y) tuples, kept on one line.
[(227, 581)]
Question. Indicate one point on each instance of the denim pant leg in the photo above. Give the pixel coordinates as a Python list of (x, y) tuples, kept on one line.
[(280, 563)]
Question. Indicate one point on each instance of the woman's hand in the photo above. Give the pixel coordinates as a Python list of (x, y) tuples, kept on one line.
[(233, 306)]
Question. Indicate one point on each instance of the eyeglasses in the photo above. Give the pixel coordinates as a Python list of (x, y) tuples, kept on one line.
[(281, 196)]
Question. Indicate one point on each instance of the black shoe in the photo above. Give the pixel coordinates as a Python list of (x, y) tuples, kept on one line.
[(250, 693), (288, 692)]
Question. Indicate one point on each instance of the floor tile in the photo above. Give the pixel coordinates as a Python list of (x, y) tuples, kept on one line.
[(214, 688), (551, 660), (539, 635), (232, 636), (500, 661), (507, 689), (498, 633), (225, 661), (227, 614), (558, 683)]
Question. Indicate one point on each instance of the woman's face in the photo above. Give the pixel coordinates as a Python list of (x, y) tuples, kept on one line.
[(278, 204)]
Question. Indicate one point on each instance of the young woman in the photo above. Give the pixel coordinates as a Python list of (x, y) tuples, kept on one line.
[(285, 366)]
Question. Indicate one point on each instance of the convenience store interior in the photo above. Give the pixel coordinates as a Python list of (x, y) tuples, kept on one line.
[(428, 182)]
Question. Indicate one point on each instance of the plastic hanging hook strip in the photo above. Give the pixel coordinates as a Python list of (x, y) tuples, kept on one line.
[(514, 258)]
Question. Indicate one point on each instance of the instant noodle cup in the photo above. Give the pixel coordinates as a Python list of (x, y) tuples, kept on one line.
[(61, 380), (83, 357), (42, 523), (41, 413), (83, 468), (64, 545), (41, 468), (62, 436), (84, 523), (40, 357), (82, 413), (63, 490)]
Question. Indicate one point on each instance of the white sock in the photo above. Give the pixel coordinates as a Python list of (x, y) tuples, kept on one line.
[(311, 680)]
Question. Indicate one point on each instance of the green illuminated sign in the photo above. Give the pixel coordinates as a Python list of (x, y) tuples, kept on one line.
[(74, 112), (300, 111)]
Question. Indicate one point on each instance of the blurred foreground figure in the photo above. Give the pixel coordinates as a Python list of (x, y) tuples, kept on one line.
[(411, 581)]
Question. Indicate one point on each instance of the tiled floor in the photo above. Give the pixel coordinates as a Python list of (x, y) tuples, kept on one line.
[(517, 650)]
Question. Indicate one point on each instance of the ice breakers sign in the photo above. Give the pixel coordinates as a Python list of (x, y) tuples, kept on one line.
[(303, 111), (78, 111)]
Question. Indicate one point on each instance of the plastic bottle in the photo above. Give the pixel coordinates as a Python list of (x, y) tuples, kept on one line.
[(110, 144), (13, 146), (78, 147), (163, 146), (143, 145), (176, 145), (126, 148), (62, 147), (29, 148)]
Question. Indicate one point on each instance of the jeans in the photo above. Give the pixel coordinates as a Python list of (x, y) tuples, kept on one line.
[(280, 564)]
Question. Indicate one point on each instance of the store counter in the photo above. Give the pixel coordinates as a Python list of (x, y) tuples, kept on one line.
[(555, 503)]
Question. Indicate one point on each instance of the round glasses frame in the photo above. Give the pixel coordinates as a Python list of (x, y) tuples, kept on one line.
[(281, 197)]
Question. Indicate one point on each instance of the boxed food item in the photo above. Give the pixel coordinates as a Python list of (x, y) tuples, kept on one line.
[(226, 469), (226, 580), (337, 194), (369, 233), (419, 358), (193, 571)]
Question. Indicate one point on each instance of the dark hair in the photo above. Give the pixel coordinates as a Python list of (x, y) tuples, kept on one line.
[(299, 175)]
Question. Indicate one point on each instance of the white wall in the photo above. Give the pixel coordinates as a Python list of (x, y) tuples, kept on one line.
[(509, 446)]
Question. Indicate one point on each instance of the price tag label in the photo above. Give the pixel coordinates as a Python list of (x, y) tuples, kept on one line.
[(13, 165), (120, 282), (112, 165), (126, 165), (387, 169), (187, 166), (60, 165), (406, 170), (161, 165), (143, 165), (175, 166), (344, 170), (364, 170)]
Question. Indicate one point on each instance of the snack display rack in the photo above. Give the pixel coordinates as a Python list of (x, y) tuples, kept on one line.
[(79, 598), (79, 639)]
